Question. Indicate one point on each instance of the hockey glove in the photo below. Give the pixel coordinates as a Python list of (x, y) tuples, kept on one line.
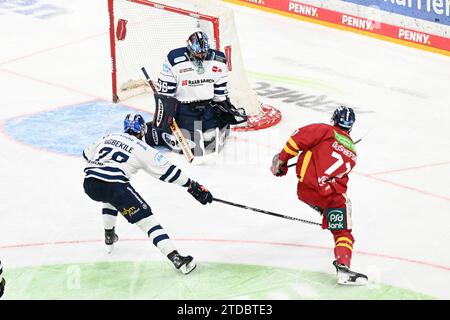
[(229, 113), (200, 193), (2, 287), (279, 168)]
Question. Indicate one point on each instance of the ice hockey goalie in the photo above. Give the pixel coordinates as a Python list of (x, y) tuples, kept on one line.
[(192, 88)]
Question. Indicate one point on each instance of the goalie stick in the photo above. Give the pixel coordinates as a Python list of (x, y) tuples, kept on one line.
[(173, 126)]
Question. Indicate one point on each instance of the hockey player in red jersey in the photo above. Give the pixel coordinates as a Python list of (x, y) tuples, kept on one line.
[(327, 155)]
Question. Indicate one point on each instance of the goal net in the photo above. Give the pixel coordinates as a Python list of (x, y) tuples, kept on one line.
[(142, 32)]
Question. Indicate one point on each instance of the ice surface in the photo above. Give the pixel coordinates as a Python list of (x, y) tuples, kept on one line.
[(399, 189)]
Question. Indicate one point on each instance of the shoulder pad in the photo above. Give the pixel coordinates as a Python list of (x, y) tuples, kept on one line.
[(217, 55), (177, 55)]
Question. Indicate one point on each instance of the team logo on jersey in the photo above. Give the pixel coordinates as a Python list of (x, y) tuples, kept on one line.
[(159, 112), (323, 180), (184, 82), (160, 159), (216, 69)]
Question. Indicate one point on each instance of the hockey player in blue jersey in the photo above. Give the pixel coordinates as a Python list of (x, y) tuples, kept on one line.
[(193, 84), (111, 161)]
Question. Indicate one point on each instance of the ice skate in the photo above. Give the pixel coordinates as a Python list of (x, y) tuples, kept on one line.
[(184, 264), (110, 238), (347, 277)]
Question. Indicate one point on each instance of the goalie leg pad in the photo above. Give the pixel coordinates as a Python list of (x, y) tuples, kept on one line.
[(203, 131), (165, 111), (166, 108)]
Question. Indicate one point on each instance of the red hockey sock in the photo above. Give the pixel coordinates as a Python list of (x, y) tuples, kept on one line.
[(343, 246)]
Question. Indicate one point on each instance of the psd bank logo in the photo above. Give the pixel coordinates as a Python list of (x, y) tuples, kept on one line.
[(336, 219)]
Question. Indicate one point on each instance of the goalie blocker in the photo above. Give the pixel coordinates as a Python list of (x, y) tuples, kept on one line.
[(204, 124)]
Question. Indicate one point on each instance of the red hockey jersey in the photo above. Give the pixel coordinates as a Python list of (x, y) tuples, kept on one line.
[(328, 155)]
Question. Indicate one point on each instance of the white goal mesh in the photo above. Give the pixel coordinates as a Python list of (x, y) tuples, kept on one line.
[(142, 32)]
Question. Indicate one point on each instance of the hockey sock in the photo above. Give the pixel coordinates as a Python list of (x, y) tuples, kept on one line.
[(109, 217), (157, 234), (343, 247)]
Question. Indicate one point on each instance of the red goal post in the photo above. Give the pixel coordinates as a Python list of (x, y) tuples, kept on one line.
[(142, 32)]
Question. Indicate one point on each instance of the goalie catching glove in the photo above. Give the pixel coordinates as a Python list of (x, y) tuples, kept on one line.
[(200, 193), (279, 168), (228, 113)]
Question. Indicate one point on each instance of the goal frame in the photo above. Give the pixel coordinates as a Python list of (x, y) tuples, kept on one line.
[(156, 5), (262, 115)]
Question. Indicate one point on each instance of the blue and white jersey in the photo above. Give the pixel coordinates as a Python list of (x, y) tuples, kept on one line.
[(179, 77), (116, 157)]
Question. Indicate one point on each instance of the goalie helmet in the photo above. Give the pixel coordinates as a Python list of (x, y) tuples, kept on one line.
[(134, 123), (198, 45), (343, 117)]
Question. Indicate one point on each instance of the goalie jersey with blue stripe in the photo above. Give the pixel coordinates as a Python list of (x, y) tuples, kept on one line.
[(116, 157), (183, 80)]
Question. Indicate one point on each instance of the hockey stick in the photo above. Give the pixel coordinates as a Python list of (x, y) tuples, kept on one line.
[(293, 164), (173, 126), (265, 211)]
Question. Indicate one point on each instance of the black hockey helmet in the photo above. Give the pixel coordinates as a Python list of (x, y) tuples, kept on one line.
[(198, 45), (343, 117)]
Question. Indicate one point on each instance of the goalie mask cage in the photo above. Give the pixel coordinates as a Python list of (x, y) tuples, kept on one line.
[(142, 32)]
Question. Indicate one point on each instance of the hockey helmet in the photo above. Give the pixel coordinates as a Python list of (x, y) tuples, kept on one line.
[(134, 123), (198, 45), (343, 117)]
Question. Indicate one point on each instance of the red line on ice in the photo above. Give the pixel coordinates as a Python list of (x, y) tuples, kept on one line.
[(411, 168), (404, 186), (283, 244), (53, 48), (50, 83)]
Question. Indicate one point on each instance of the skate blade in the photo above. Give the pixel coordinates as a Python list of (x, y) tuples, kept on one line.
[(358, 282), (189, 267)]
